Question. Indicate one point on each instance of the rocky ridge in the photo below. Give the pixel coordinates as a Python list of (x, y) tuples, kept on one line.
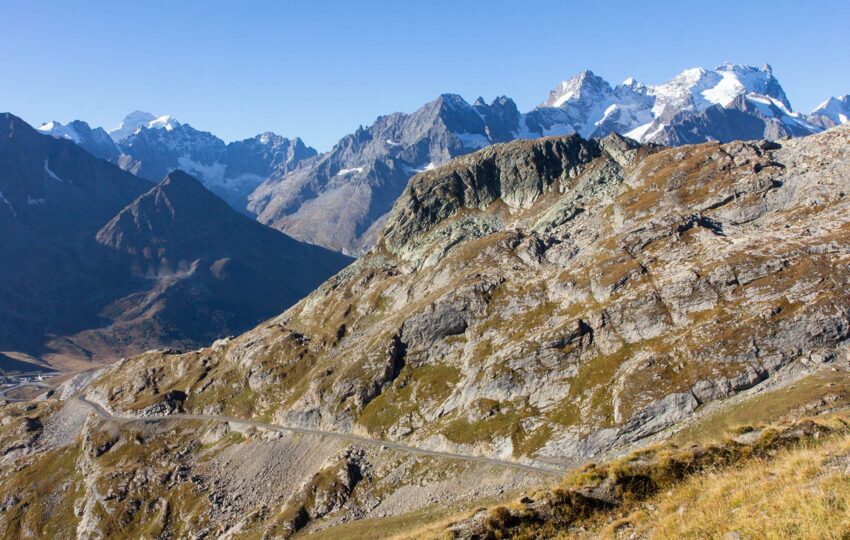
[(341, 199)]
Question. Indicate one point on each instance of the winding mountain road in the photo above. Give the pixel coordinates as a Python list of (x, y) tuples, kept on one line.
[(347, 437)]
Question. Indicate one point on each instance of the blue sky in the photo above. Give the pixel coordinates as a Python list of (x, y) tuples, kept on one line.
[(318, 69)]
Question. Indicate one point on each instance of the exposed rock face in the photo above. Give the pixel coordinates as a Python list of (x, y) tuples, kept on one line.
[(340, 199), (554, 299)]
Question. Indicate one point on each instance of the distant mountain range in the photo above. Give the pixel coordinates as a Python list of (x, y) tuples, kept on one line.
[(99, 263), (341, 198), (151, 147)]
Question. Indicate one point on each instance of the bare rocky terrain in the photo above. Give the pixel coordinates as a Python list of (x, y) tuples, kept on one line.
[(547, 302)]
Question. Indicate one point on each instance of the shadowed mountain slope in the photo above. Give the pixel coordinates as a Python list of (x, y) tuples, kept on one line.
[(99, 263)]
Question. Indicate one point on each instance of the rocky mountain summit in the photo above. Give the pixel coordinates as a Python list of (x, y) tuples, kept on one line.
[(526, 308), (100, 263), (339, 200)]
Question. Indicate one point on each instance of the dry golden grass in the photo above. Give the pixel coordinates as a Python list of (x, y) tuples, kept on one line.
[(802, 492), (789, 481)]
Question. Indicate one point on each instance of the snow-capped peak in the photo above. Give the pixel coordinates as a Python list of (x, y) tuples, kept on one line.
[(166, 122), (60, 131), (836, 109), (130, 124), (140, 119), (699, 88), (581, 87), (591, 106)]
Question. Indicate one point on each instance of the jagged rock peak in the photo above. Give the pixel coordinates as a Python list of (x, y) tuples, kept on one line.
[(516, 173), (580, 87)]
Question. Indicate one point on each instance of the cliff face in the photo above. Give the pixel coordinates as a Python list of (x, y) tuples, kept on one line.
[(552, 300)]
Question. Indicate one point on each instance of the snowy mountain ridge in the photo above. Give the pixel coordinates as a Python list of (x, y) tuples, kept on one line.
[(642, 111), (96, 141), (832, 112), (152, 146)]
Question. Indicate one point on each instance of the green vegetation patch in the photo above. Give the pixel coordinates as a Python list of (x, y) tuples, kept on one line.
[(45, 489), (428, 384), (498, 419)]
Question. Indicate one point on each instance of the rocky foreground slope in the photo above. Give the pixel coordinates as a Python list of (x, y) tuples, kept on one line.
[(546, 302)]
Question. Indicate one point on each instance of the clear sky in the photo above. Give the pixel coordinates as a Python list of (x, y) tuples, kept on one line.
[(318, 69)]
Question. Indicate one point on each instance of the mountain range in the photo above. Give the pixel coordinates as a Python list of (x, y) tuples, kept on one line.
[(100, 263), (602, 308), (340, 199), (573, 289), (151, 147)]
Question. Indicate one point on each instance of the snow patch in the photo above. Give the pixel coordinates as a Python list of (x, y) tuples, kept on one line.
[(431, 165), (639, 132), (210, 174), (420, 169), (343, 172), (556, 129), (166, 122), (59, 131), (392, 142), (50, 173), (725, 91), (12, 208), (32, 202)]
